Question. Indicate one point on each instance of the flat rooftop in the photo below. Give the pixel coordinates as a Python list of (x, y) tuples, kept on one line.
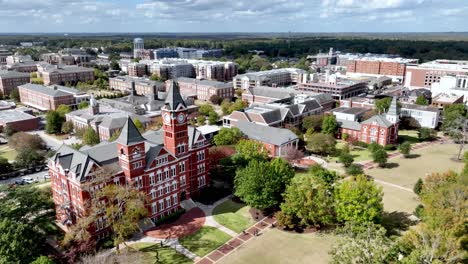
[(9, 116), (420, 107), (350, 110)]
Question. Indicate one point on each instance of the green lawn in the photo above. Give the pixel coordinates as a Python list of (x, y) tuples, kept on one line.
[(410, 136), (204, 240), (234, 216), (8, 153), (359, 154), (167, 255), (277, 246)]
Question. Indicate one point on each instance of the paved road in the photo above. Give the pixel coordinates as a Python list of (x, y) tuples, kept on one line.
[(39, 176), (53, 142)]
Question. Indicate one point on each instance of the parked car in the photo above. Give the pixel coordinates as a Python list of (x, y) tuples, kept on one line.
[(46, 176), (29, 180), (19, 182)]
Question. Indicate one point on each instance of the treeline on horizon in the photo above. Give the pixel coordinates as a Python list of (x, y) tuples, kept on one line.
[(423, 50)]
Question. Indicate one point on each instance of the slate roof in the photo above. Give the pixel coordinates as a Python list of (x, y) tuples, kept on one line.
[(173, 98), (278, 93), (74, 161), (54, 92), (130, 134), (267, 134), (353, 125), (214, 84), (13, 74), (379, 119)]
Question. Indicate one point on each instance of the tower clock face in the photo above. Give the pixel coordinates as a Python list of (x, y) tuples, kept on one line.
[(181, 118), (167, 118)]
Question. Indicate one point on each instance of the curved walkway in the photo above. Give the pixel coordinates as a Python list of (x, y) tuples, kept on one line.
[(187, 224), (210, 221)]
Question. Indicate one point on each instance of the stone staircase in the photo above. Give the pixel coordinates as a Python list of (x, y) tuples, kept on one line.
[(188, 204)]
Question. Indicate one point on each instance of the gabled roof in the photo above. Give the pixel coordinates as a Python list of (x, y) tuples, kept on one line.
[(74, 161), (379, 119), (267, 134), (173, 98), (129, 134), (353, 125)]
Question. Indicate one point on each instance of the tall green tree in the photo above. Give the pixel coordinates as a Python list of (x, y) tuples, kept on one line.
[(139, 125), (421, 100), (358, 200), (83, 105), (15, 95), (227, 136), (383, 104), (329, 125), (362, 243), (308, 200), (405, 149), (54, 122), (261, 183), (29, 158), (63, 110), (250, 149), (213, 117), (90, 137), (313, 122), (380, 157), (322, 144)]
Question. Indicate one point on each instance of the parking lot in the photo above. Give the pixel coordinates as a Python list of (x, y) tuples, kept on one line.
[(37, 176)]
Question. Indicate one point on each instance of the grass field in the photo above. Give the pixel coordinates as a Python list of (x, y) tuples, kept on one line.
[(405, 173), (8, 153), (359, 154), (167, 255), (204, 240), (410, 136), (234, 216), (277, 246)]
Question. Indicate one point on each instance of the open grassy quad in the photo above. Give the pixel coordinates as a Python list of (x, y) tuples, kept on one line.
[(410, 136), (232, 215), (8, 153), (277, 246), (204, 240), (359, 154), (405, 173), (167, 255)]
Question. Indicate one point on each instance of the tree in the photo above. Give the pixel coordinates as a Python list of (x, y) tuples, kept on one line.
[(43, 260), (329, 125), (213, 117), (418, 186), (308, 200), (346, 158), (373, 147), (261, 183), (155, 77), (83, 105), (101, 83), (358, 200), (291, 153), (380, 157), (227, 136), (228, 107), (139, 125), (383, 104), (5, 166), (321, 144), (53, 122), (90, 137), (216, 99), (313, 121), (250, 149), (21, 140), (405, 149), (114, 65), (205, 109), (29, 158), (426, 134), (18, 242), (455, 124), (421, 100), (354, 170), (67, 127), (115, 135), (15, 95), (327, 176), (361, 243), (63, 109), (345, 136), (201, 120), (9, 130)]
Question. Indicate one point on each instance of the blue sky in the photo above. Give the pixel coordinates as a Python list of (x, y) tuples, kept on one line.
[(233, 15)]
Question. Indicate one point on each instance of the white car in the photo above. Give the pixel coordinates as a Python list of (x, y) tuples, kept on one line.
[(29, 180)]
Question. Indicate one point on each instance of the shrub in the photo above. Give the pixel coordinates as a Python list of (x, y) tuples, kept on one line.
[(170, 218), (405, 149), (419, 210), (418, 186), (380, 157), (354, 169), (346, 158), (389, 147), (360, 144)]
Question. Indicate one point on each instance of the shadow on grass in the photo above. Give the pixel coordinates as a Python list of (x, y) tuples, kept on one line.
[(391, 165), (412, 156), (164, 255), (395, 222)]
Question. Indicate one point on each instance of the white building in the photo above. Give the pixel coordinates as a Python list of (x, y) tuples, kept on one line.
[(272, 78), (451, 84), (426, 116)]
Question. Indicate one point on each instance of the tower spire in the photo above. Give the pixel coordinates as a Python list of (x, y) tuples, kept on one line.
[(392, 113)]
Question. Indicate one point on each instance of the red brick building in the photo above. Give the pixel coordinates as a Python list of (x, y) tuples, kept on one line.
[(169, 166), (9, 80), (382, 129), (18, 120), (204, 89)]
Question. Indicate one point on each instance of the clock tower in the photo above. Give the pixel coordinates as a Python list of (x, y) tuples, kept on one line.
[(174, 115)]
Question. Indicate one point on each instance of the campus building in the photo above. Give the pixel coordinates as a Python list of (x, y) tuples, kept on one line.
[(272, 78), (382, 129), (338, 88), (10, 80), (169, 166), (143, 86), (204, 89), (47, 98), (62, 74), (18, 120), (424, 115), (425, 74)]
